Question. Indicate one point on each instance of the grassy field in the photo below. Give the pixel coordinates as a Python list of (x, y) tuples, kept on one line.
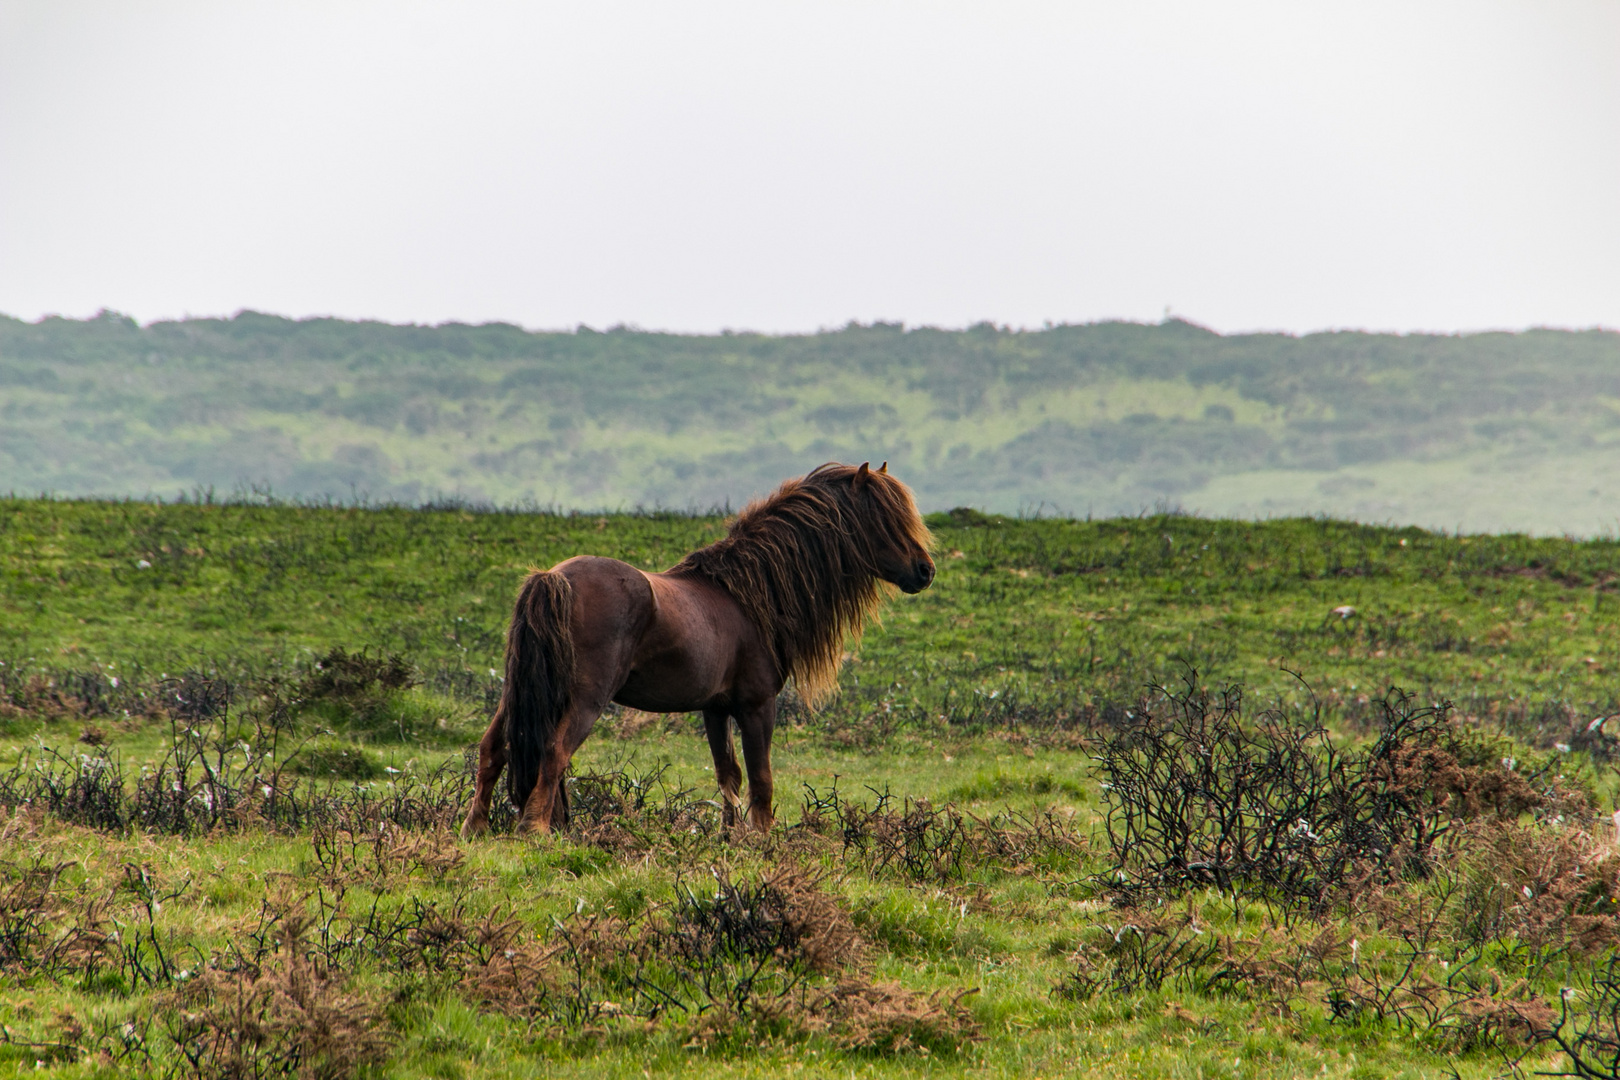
[(232, 740)]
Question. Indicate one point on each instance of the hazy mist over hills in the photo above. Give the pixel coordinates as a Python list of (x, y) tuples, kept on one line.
[(1484, 432)]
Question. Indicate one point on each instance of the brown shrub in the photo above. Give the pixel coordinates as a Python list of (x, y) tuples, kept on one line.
[(1457, 1010), (788, 911), (917, 841), (43, 931), (1491, 1020), (356, 677), (1152, 950), (1433, 774), (39, 696), (515, 975), (1544, 885), (886, 1018), (1274, 965), (289, 1017), (382, 851), (749, 947), (744, 960)]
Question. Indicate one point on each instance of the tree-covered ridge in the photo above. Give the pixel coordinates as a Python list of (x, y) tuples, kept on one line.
[(1106, 418)]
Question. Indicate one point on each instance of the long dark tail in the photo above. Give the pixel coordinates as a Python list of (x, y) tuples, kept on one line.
[(539, 673)]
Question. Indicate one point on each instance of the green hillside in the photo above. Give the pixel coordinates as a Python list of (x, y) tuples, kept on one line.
[(1482, 432)]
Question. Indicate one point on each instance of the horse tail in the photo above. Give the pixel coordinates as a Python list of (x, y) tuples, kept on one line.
[(539, 674)]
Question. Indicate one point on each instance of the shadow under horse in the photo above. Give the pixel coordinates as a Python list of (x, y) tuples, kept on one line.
[(719, 633)]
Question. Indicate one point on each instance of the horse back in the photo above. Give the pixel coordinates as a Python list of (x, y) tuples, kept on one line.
[(700, 651), (661, 642)]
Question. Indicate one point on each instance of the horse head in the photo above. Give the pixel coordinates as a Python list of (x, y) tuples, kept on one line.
[(901, 540)]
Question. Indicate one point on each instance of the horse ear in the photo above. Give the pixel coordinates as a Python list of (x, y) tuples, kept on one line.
[(884, 468), (863, 474)]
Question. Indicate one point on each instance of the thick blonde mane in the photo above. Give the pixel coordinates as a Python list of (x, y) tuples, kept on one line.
[(802, 562)]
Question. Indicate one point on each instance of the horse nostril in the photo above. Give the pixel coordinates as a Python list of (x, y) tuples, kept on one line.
[(925, 572)]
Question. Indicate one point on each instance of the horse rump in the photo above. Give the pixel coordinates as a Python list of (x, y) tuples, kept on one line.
[(539, 672)]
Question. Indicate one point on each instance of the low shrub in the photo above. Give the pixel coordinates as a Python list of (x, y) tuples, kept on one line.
[(1198, 796), (916, 841)]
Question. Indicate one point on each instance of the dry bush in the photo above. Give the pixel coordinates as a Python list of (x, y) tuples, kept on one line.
[(886, 1018), (776, 956), (1418, 974), (1151, 951), (491, 955), (627, 799), (120, 1043), (1466, 774), (1431, 774), (786, 915), (786, 922), (1545, 886), (225, 774), (1454, 1007), (516, 974), (39, 696), (1200, 796), (356, 679), (1275, 965), (53, 694), (288, 1017), (381, 852), (916, 841), (1586, 1023), (747, 949), (46, 932), (1159, 949), (27, 910), (1411, 976)]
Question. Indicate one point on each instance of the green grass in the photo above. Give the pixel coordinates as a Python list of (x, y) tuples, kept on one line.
[(1029, 609), (980, 693)]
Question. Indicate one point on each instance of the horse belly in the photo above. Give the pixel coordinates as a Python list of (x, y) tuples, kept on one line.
[(673, 684), (686, 661)]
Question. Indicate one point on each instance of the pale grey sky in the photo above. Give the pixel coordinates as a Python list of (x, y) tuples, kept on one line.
[(786, 166)]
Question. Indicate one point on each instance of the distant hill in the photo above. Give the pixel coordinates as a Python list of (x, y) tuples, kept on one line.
[(1483, 431)]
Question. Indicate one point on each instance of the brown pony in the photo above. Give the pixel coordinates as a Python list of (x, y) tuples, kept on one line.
[(718, 633)]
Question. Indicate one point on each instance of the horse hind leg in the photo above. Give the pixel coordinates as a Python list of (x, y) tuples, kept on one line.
[(717, 726), (538, 808), (546, 807), (491, 761)]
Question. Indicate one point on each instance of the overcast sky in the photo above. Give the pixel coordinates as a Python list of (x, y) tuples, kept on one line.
[(781, 166)]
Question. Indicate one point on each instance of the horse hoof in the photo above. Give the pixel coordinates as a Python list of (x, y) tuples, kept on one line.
[(472, 830)]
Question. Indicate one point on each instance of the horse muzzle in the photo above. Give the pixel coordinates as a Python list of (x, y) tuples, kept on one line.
[(920, 577)]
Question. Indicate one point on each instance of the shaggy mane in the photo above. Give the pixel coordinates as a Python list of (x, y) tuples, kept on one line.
[(802, 563)]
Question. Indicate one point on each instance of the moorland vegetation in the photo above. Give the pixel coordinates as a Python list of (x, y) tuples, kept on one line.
[(1152, 796), (1485, 431)]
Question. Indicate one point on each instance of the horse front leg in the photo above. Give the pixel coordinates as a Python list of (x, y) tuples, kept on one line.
[(717, 725), (491, 760), (755, 726)]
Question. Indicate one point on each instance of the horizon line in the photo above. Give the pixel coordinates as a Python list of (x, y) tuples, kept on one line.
[(631, 327)]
